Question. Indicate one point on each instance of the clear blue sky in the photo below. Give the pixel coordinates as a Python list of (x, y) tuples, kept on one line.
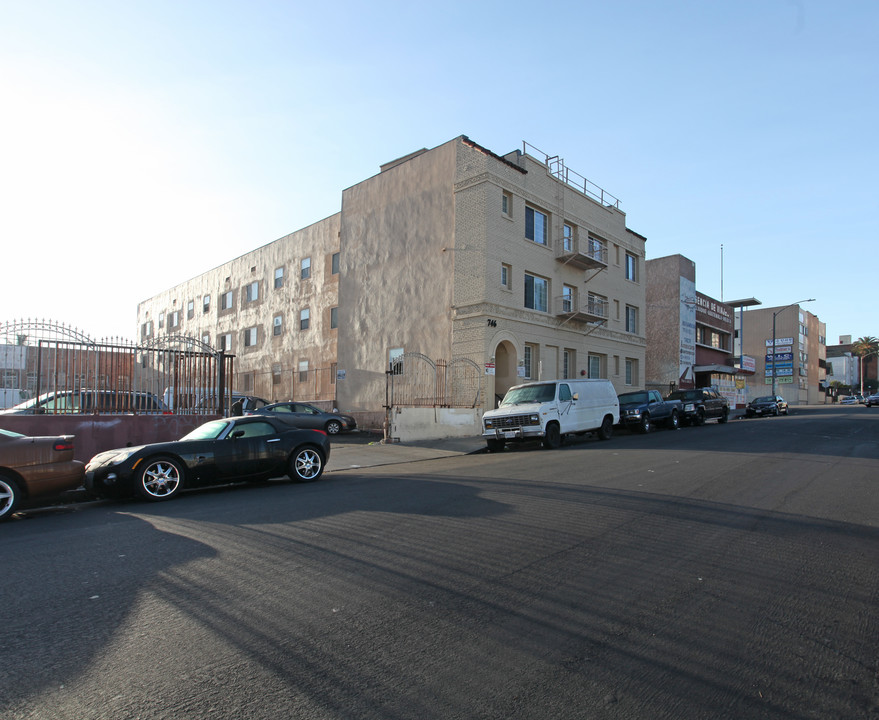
[(146, 142)]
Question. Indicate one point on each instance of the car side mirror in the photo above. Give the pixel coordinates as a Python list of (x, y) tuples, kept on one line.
[(237, 434), (575, 396)]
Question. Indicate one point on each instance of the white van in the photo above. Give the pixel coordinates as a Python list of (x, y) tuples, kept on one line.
[(550, 410)]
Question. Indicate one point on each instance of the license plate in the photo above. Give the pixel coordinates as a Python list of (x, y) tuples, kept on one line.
[(509, 434)]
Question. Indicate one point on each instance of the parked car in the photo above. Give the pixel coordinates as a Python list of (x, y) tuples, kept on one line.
[(850, 400), (34, 467), (548, 411), (309, 416), (871, 400), (766, 405), (643, 409), (90, 401), (700, 405), (256, 447)]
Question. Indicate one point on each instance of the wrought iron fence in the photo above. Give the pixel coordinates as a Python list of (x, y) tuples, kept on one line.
[(414, 380)]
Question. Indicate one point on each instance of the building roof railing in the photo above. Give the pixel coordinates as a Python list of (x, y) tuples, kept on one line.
[(560, 171)]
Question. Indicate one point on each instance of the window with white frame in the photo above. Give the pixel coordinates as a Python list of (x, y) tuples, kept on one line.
[(304, 319), (206, 339), (206, 303), (631, 267), (303, 371), (162, 320), (224, 342), (277, 325), (594, 366), (631, 371), (536, 293), (536, 226), (507, 203), (631, 319), (506, 276), (174, 319), (251, 291), (569, 363), (568, 298), (250, 336), (530, 358), (568, 237), (305, 268), (190, 310), (227, 300), (279, 277)]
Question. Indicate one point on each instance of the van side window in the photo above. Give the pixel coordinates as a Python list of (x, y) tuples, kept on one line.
[(564, 393)]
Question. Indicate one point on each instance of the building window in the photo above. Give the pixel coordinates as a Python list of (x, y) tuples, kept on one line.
[(162, 320), (334, 318), (277, 325), (224, 342), (507, 203), (250, 337), (146, 330), (568, 237), (206, 303), (631, 267), (568, 363), (395, 361), (335, 264), (305, 268), (279, 277), (226, 300), (190, 310), (303, 371), (206, 339), (631, 319), (594, 366), (174, 319), (568, 299), (536, 226), (251, 291), (304, 319), (506, 276), (530, 362), (631, 372), (536, 293)]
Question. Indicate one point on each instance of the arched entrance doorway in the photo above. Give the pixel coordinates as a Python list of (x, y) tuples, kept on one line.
[(505, 365)]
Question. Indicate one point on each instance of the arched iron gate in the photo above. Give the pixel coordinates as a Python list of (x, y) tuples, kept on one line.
[(414, 380)]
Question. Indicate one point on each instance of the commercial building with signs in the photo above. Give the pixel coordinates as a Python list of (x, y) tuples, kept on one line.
[(513, 264), (789, 347), (689, 334)]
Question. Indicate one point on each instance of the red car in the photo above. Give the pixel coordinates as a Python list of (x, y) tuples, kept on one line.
[(34, 467)]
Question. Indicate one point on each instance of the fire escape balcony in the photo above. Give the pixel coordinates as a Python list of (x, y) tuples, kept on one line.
[(594, 310), (587, 255)]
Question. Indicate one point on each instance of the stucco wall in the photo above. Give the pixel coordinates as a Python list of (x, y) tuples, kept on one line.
[(413, 424)]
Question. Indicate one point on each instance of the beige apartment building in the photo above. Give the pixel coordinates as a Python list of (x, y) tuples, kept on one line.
[(514, 264)]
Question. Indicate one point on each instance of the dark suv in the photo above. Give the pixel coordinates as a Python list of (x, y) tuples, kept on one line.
[(700, 405)]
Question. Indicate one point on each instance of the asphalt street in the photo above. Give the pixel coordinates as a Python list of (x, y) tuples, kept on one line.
[(727, 571)]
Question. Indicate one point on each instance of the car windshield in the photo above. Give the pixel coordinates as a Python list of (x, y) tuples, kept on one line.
[(10, 434), (529, 394), (633, 397), (766, 398), (27, 404), (209, 431)]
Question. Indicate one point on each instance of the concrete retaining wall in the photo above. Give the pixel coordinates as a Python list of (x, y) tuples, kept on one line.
[(413, 424)]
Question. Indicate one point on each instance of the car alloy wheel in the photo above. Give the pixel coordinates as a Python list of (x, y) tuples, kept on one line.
[(9, 496), (306, 465), (160, 479)]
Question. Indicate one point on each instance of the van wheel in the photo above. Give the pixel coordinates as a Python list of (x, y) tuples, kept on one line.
[(553, 439), (494, 445), (606, 429)]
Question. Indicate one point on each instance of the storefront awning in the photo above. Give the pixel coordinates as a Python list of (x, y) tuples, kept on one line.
[(723, 369)]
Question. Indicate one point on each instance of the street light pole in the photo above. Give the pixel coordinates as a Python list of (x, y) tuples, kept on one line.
[(775, 315)]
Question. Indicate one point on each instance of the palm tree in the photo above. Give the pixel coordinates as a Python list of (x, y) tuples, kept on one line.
[(865, 348)]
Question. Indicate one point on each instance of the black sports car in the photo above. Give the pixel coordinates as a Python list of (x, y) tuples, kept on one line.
[(257, 447)]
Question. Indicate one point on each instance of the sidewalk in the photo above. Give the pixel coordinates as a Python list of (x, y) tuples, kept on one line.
[(365, 449)]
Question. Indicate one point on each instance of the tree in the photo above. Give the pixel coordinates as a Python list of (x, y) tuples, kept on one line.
[(865, 348)]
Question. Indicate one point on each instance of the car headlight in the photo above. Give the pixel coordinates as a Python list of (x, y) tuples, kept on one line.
[(689, 407), (121, 456)]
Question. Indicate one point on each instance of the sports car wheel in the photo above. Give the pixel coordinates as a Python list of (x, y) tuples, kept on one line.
[(160, 478), (334, 427), (10, 494), (306, 465)]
